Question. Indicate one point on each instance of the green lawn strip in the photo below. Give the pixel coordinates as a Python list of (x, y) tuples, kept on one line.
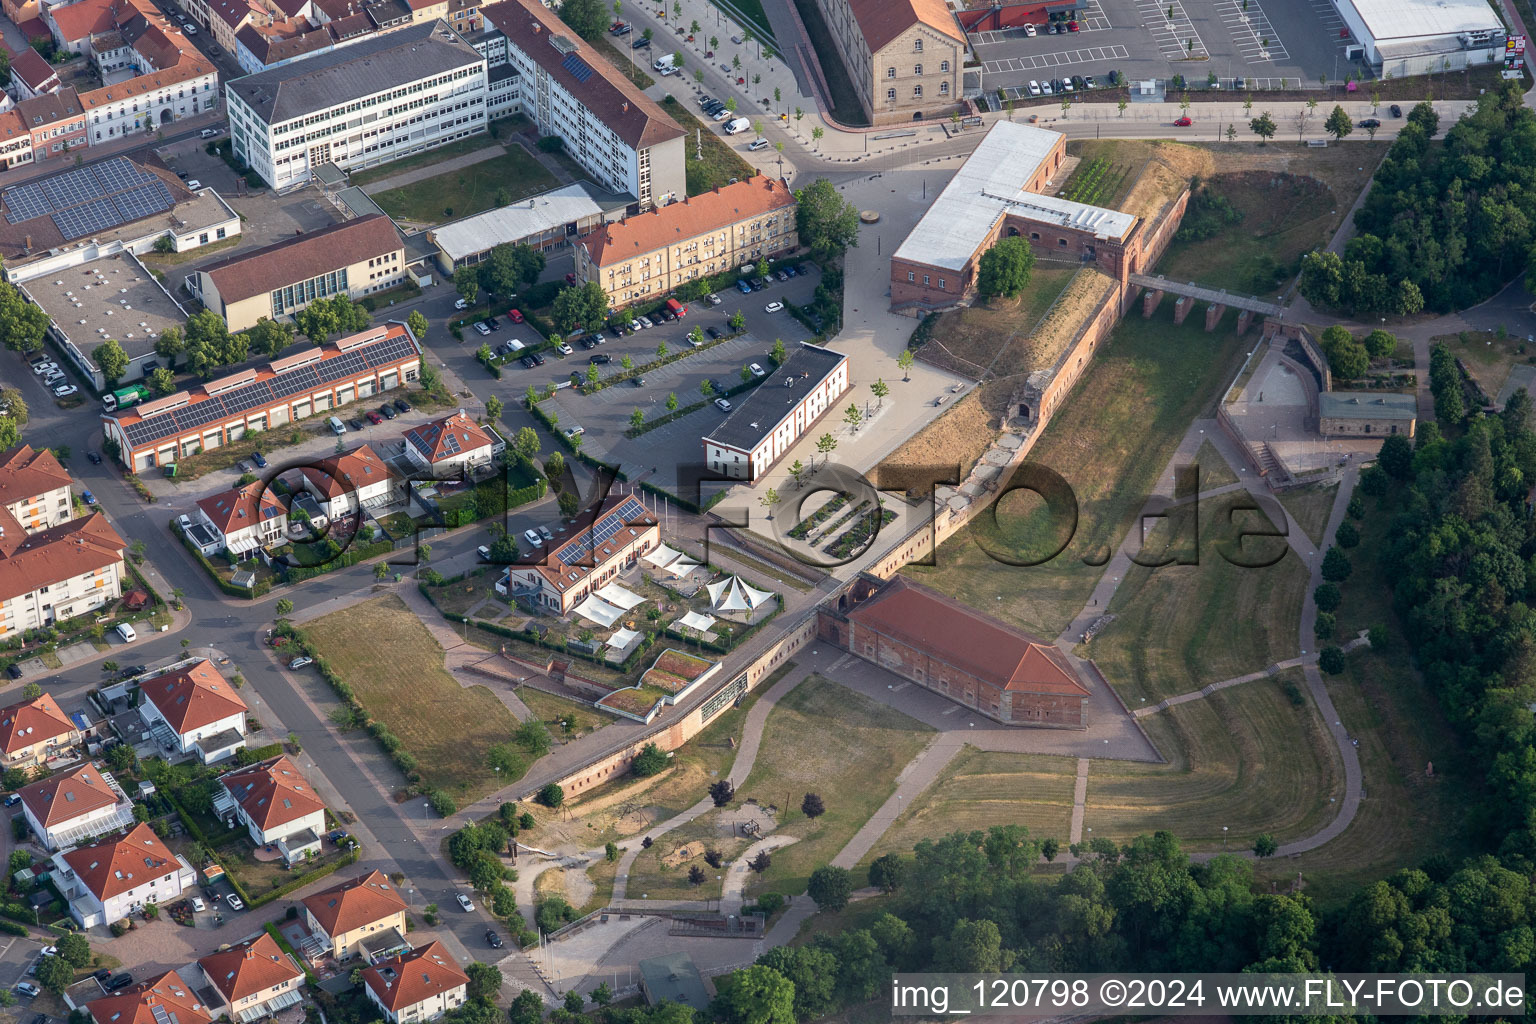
[(719, 163), (634, 69), (1310, 506), (395, 667), (468, 190), (826, 739), (1110, 441), (551, 709)]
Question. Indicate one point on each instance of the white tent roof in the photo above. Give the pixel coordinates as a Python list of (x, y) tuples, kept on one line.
[(623, 639), (693, 620), (661, 557), (617, 595), (732, 595), (599, 611), (682, 565)]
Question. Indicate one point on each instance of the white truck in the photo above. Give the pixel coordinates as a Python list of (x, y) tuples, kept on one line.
[(666, 64)]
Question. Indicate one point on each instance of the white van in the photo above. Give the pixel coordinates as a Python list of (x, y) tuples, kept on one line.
[(664, 63), (337, 427), (126, 632), (740, 124)]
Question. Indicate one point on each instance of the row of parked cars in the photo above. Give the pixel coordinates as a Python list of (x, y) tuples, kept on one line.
[(1061, 86), (53, 377), (387, 411)]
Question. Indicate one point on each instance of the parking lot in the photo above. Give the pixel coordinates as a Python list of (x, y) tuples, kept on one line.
[(1260, 41)]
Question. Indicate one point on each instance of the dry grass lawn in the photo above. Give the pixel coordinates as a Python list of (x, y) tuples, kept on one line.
[(396, 668), (649, 878), (824, 738), (1214, 471), (998, 337), (552, 709), (1311, 506), (1489, 357), (958, 438), (1180, 627)]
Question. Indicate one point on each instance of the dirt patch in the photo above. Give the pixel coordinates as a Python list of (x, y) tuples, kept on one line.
[(962, 435), (683, 854), (1168, 170)]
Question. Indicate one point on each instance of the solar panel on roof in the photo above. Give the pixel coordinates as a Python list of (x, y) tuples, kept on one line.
[(87, 218), (578, 68), (580, 550), (25, 202), (143, 201)]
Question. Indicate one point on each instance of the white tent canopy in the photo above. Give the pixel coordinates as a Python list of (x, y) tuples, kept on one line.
[(682, 565), (694, 620), (662, 557), (732, 595), (623, 639), (617, 595), (597, 610)]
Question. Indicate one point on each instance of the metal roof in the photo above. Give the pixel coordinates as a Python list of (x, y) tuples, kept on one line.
[(522, 219), (991, 184), (1397, 19), (756, 414), (1365, 406)]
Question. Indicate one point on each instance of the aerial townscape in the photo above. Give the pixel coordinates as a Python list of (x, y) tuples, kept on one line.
[(685, 511)]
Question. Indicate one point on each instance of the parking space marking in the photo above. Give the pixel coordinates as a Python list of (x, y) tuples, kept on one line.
[(1176, 39), (1093, 19), (1056, 60), (1255, 37), (1327, 16)]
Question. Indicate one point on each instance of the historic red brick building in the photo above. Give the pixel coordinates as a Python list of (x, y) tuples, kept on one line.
[(921, 635)]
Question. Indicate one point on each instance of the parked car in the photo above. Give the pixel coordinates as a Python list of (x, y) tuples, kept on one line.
[(564, 349), (235, 903), (493, 323), (666, 314), (388, 411), (123, 980), (1029, 30), (355, 423), (482, 328), (757, 144), (464, 902), (64, 390), (773, 307), (744, 286), (14, 798), (88, 497), (259, 459), (372, 417), (43, 368), (588, 343), (544, 532), (640, 43), (300, 662), (1397, 111), (638, 382), (198, 904), (401, 405), (756, 370), (532, 537), (492, 938), (27, 989), (194, 184), (600, 359), (1369, 122), (1034, 87), (713, 299), (1088, 82), (722, 405), (461, 303), (94, 457), (14, 671)]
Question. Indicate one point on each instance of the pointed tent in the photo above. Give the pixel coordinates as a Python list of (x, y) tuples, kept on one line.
[(732, 595), (623, 639), (662, 557)]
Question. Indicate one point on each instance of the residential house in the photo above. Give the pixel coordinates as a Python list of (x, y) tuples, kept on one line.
[(33, 75), (357, 479), (109, 880), (57, 573), (255, 978), (241, 520), (449, 447), (904, 57), (276, 803), (34, 730), (603, 543), (353, 258), (161, 999), (342, 917), (420, 985), (649, 255), (15, 140), (75, 805), (56, 121), (193, 709), (34, 487)]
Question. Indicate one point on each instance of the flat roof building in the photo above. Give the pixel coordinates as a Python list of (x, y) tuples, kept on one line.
[(309, 383), (1362, 414), (766, 422), (673, 979), (362, 105), (353, 258), (1417, 37), (548, 221)]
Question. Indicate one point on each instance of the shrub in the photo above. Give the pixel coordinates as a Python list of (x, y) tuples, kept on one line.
[(551, 795), (650, 761)]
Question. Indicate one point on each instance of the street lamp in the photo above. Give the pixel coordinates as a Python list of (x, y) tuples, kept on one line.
[(1223, 839)]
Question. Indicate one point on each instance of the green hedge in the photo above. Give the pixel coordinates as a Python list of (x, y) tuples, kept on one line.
[(259, 590), (12, 928), (492, 497), (298, 883), (19, 912), (342, 560), (196, 832)]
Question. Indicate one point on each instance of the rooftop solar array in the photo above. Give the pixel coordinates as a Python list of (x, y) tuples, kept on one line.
[(578, 67), (263, 394), (90, 199), (579, 550)]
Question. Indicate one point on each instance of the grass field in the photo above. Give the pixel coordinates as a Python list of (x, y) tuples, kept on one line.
[(720, 163), (1110, 441), (981, 788), (551, 709), (1214, 471), (1249, 758), (619, 57), (650, 879), (1489, 356), (1180, 627), (468, 190), (1311, 506), (396, 668), (826, 739), (996, 336)]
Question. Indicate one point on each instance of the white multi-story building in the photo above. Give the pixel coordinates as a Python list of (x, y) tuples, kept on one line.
[(109, 880), (366, 104), (195, 710), (240, 520), (345, 482), (276, 803), (619, 136), (765, 423)]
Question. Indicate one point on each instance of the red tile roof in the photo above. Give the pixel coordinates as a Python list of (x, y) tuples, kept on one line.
[(447, 437), (261, 271), (342, 474), (355, 903), (240, 507), (592, 524), (410, 978), (621, 105), (58, 553), (273, 792), (26, 473), (135, 1005), (1005, 657), (71, 795), (249, 967), (883, 20), (31, 68), (192, 697), (31, 722), (678, 222), (84, 18), (113, 866)]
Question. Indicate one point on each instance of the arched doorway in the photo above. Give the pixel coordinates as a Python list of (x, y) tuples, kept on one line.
[(165, 116), (1013, 232), (917, 116)]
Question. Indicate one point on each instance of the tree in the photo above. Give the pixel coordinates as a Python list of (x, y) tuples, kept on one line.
[(1380, 344), (1331, 660), (905, 361), (1346, 536), (826, 444), (466, 281), (32, 691), (661, 350), (584, 304), (812, 970), (769, 499), (603, 995), (169, 345), (973, 947), (885, 873), (552, 795), (527, 1008), (671, 401), (554, 467), (828, 224), (762, 862), (22, 324), (162, 381), (55, 973), (738, 321), (626, 362), (10, 433), (270, 337), (1264, 127), (493, 408), (696, 875), (1339, 124), (1396, 457), (588, 17), (110, 358), (830, 887), (417, 322), (746, 375), (1327, 597), (812, 806), (722, 792), (707, 387), (74, 949), (593, 374), (569, 503), (756, 995), (284, 607), (526, 443), (880, 389), (777, 353), (637, 419), (797, 473), (1336, 567), (853, 417), (1005, 269), (484, 980)]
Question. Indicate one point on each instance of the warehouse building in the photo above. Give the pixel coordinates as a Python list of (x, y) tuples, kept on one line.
[(1416, 37), (545, 222)]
